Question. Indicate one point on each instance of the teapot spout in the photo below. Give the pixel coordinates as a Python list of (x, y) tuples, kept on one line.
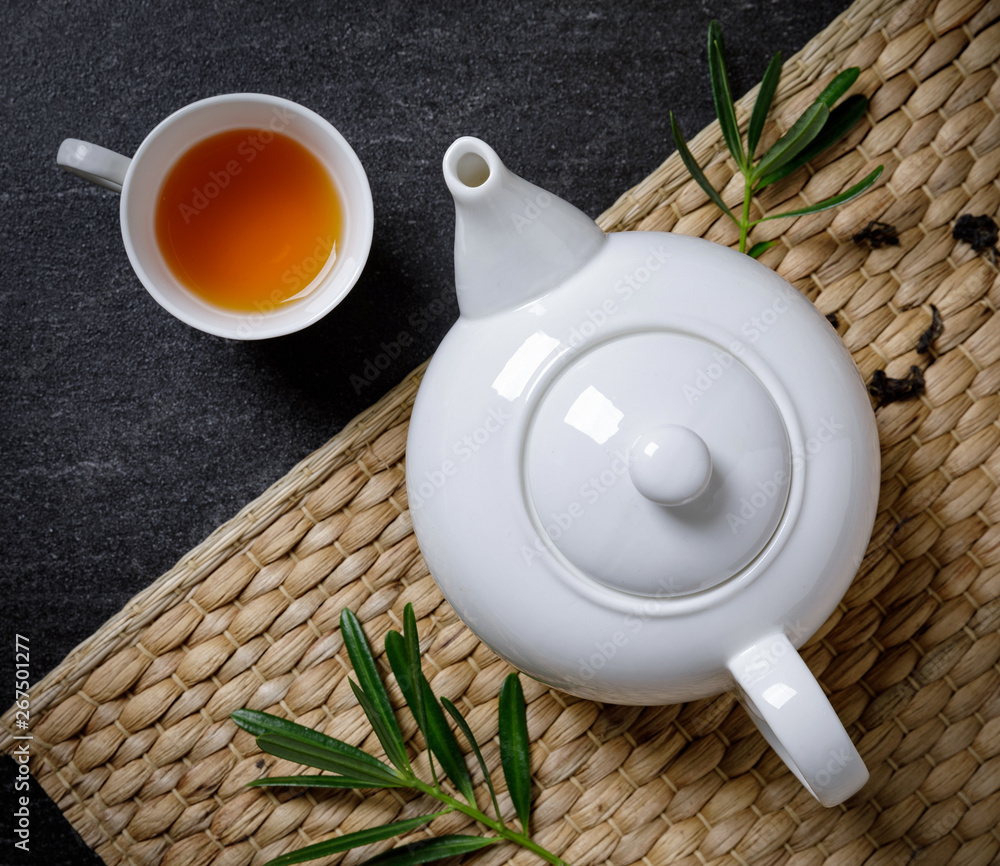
[(513, 240)]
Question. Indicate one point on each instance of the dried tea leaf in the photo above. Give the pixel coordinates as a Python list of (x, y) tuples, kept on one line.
[(934, 330), (887, 390), (877, 234), (979, 232)]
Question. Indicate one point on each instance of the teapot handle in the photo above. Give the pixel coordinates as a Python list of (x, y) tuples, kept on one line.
[(796, 718)]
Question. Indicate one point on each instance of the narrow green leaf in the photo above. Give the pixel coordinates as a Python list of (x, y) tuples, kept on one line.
[(385, 737), (463, 726), (395, 651), (411, 637), (371, 682), (841, 121), (839, 86), (288, 734), (514, 755), (443, 744), (722, 96), (845, 196), (695, 170), (429, 850), (257, 722), (757, 249), (309, 781), (296, 749), (793, 142), (765, 95), (411, 640), (715, 32), (403, 651), (351, 840)]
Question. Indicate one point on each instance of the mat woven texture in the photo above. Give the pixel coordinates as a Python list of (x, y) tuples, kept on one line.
[(132, 737)]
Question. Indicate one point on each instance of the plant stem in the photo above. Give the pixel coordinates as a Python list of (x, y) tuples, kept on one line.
[(745, 221), (498, 827)]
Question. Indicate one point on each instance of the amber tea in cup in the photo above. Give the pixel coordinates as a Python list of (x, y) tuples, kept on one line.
[(245, 215), (247, 218)]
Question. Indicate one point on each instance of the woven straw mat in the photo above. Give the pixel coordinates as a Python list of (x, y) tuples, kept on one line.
[(132, 737)]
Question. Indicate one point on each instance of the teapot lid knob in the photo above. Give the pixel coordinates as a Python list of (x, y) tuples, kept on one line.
[(652, 476), (670, 464)]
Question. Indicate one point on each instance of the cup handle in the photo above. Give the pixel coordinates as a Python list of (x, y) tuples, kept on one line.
[(94, 163), (795, 717)]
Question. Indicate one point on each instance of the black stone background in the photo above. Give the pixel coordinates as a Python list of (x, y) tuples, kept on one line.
[(126, 436)]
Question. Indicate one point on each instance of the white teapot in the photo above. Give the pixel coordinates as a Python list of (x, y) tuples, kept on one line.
[(641, 466)]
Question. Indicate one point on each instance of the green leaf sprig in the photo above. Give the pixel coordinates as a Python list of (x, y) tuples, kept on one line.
[(350, 767), (820, 127)]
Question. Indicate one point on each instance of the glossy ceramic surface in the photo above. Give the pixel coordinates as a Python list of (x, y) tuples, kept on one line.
[(651, 479)]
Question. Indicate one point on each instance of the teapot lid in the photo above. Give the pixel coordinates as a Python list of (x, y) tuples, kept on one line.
[(656, 464)]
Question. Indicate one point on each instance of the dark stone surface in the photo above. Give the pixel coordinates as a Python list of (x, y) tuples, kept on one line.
[(126, 435)]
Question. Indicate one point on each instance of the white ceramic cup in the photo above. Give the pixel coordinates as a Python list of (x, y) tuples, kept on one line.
[(140, 178)]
